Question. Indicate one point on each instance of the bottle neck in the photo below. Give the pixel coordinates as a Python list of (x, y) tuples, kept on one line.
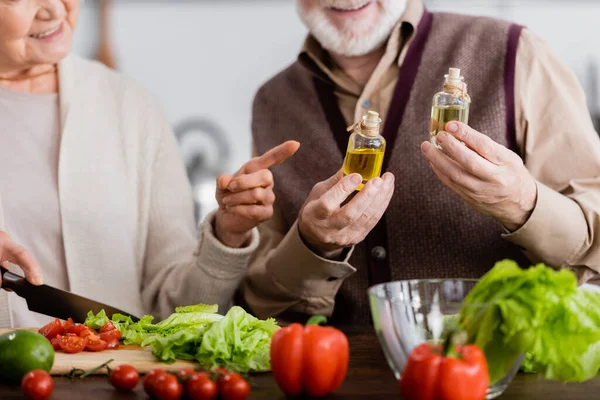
[(368, 133), (455, 87), (366, 127)]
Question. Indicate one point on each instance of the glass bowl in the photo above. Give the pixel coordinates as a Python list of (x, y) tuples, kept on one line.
[(407, 313)]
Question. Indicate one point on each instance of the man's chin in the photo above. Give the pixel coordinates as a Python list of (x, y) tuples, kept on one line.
[(350, 44), (351, 41), (352, 48)]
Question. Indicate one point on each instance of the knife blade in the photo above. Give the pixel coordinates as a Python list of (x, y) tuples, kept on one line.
[(55, 302)]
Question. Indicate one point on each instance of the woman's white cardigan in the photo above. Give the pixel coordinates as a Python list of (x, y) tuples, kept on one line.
[(126, 205)]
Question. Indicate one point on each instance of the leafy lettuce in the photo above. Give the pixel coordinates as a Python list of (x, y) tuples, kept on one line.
[(237, 341), (539, 311)]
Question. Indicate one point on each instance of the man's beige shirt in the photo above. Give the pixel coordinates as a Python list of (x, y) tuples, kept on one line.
[(555, 138)]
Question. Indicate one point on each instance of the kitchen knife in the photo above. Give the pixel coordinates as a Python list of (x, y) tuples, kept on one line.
[(54, 302)]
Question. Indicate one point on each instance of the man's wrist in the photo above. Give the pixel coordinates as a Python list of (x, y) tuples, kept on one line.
[(526, 209), (332, 253)]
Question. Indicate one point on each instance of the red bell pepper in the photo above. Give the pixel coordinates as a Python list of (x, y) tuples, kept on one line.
[(448, 373), (311, 359)]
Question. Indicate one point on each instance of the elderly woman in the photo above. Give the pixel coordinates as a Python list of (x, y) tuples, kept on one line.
[(91, 182)]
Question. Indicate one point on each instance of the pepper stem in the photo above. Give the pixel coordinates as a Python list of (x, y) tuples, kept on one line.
[(316, 320), (454, 338)]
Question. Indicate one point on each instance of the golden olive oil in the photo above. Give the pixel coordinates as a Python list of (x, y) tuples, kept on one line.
[(366, 147), (366, 162), (441, 115), (451, 104)]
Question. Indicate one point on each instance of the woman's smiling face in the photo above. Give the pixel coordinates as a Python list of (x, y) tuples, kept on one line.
[(35, 32)]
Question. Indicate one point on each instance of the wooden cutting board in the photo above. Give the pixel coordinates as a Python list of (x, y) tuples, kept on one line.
[(141, 358)]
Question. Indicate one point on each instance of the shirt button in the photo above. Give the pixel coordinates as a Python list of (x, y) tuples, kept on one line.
[(378, 253), (366, 103)]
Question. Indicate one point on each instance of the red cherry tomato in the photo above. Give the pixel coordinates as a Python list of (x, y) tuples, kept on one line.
[(185, 373), (221, 370), (56, 342), (113, 332), (94, 343), (67, 324), (167, 387), (88, 332), (71, 343), (79, 330), (109, 326), (233, 387), (37, 385), (51, 330), (124, 377), (111, 341), (200, 387), (150, 380)]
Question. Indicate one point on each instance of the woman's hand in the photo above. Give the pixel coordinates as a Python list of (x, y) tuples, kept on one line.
[(15, 254), (246, 198)]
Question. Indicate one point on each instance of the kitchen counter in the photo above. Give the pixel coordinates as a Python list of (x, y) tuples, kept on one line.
[(369, 377)]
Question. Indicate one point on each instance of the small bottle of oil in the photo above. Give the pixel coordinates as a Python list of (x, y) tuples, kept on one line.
[(365, 148), (451, 104)]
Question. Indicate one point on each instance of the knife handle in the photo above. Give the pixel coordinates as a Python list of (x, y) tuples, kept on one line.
[(13, 282)]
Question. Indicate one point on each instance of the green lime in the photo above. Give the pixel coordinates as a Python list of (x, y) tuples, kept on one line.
[(24, 351)]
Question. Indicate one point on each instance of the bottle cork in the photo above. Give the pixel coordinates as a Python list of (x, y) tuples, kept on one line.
[(373, 117), (370, 124), (454, 73)]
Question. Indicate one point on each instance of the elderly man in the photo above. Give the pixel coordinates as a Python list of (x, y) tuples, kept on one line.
[(526, 186)]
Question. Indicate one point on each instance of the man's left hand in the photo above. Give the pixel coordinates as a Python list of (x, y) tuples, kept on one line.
[(488, 176)]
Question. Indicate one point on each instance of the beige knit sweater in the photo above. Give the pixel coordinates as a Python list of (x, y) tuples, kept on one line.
[(126, 206)]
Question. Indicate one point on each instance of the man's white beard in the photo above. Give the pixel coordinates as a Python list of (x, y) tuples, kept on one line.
[(358, 37)]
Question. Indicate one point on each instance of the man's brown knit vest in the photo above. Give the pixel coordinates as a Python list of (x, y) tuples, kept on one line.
[(427, 231)]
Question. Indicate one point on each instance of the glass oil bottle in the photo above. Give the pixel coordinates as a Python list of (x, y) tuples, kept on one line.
[(366, 148), (451, 104)]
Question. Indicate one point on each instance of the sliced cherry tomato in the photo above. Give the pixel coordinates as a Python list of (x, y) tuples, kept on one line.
[(111, 341), (167, 387), (233, 387), (184, 374), (112, 332), (109, 326), (124, 377), (51, 330), (86, 333), (56, 342), (71, 343), (150, 380), (200, 387), (79, 330), (68, 323), (94, 343), (37, 385)]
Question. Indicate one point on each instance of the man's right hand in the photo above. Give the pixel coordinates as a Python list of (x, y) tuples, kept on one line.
[(15, 254), (327, 228)]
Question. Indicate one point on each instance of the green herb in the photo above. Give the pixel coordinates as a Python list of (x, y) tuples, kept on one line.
[(80, 373), (513, 311)]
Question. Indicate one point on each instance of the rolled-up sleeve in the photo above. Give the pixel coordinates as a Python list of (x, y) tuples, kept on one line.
[(561, 149), (286, 276)]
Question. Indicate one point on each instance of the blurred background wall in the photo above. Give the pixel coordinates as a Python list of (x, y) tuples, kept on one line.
[(205, 59)]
